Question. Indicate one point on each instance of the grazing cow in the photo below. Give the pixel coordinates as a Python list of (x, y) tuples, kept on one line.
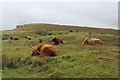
[(57, 41), (27, 37), (14, 38), (44, 50), (92, 41)]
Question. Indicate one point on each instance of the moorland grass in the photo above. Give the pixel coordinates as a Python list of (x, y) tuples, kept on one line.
[(73, 60)]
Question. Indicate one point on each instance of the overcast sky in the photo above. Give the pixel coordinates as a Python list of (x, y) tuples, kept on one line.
[(94, 14)]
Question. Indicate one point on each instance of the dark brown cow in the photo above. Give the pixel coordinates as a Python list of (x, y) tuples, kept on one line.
[(27, 37), (44, 50), (14, 38), (57, 41), (92, 41)]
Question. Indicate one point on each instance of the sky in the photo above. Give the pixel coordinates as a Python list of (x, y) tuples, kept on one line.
[(93, 14)]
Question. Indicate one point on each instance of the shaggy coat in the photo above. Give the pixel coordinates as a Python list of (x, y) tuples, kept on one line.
[(44, 50), (57, 41), (27, 37), (92, 41), (14, 38)]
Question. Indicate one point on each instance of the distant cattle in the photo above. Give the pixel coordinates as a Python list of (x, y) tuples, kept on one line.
[(44, 50), (27, 37), (14, 38), (92, 41), (57, 41)]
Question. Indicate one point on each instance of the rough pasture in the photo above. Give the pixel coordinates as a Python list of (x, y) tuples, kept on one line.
[(73, 59)]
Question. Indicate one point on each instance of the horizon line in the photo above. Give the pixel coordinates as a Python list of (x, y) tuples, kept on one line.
[(64, 25)]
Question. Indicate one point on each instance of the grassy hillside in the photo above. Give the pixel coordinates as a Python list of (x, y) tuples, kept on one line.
[(73, 61)]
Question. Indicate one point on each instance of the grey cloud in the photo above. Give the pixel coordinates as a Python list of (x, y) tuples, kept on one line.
[(100, 14)]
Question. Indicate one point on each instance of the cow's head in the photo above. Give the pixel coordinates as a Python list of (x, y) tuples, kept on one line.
[(25, 37), (11, 37), (85, 41), (54, 39), (35, 52)]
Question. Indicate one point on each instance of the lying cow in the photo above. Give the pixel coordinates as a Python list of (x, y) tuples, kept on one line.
[(14, 38), (27, 37), (92, 41), (57, 41), (44, 50)]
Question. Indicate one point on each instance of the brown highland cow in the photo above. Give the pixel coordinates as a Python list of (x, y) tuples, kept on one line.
[(44, 50), (57, 41), (14, 38), (27, 37)]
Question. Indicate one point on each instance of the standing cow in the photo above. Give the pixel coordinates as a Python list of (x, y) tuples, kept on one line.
[(92, 41), (14, 38), (57, 41), (44, 50)]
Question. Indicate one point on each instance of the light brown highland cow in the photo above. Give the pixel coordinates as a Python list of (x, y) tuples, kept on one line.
[(92, 41)]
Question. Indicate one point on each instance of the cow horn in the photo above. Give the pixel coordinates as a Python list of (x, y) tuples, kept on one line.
[(59, 51), (30, 46)]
